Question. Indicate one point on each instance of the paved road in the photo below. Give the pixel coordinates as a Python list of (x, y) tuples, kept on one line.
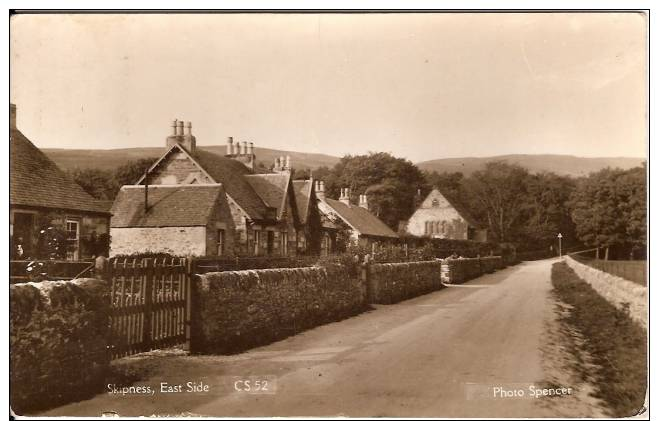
[(424, 357)]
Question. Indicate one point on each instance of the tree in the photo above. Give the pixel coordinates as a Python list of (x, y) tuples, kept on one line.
[(496, 196), (98, 183), (131, 171), (450, 183), (392, 182), (609, 209), (546, 211)]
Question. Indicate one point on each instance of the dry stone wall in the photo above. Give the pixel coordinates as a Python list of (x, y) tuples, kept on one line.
[(618, 291), (457, 271), (233, 311), (390, 283), (58, 340)]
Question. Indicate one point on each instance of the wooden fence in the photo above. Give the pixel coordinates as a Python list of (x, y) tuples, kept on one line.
[(632, 270), (150, 304)]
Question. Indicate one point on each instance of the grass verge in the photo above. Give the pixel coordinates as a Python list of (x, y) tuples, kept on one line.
[(617, 344)]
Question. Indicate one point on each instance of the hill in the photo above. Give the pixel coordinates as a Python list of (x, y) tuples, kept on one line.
[(559, 164), (109, 159)]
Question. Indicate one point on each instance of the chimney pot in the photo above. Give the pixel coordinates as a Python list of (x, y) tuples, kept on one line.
[(250, 148), (180, 128), (288, 162), (345, 196), (189, 128), (229, 145), (174, 126)]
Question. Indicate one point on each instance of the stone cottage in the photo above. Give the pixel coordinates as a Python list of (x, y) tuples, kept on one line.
[(439, 216), (41, 194), (190, 220), (364, 228), (263, 212)]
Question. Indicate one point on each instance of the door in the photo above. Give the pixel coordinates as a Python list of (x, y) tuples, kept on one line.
[(23, 232), (271, 242)]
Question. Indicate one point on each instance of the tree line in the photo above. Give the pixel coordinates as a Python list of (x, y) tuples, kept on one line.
[(606, 209)]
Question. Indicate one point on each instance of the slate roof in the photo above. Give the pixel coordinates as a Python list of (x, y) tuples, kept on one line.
[(461, 209), (302, 190), (169, 205), (231, 174), (35, 180), (271, 188), (361, 219)]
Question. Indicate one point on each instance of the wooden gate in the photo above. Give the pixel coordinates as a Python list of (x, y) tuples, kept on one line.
[(150, 304)]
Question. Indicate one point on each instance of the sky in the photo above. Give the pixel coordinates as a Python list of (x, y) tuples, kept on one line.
[(420, 86)]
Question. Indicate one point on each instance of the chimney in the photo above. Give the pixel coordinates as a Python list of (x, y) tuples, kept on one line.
[(345, 196), (250, 148), (177, 136), (229, 146), (189, 142), (12, 116), (320, 190), (363, 201)]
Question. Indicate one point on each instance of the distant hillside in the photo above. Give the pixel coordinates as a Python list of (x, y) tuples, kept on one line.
[(559, 164), (109, 159)]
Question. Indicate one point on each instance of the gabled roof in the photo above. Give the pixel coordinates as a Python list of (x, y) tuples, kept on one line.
[(228, 172), (461, 209), (169, 205), (272, 189), (35, 180), (302, 190), (361, 220), (231, 174)]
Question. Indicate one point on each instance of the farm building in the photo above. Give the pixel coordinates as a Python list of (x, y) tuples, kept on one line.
[(440, 217), (263, 212), (41, 195), (190, 220)]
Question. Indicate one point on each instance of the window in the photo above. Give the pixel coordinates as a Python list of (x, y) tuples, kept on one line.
[(435, 203), (284, 243), (220, 242), (73, 239), (257, 242)]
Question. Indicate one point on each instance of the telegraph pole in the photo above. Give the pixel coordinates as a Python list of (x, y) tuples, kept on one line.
[(559, 236)]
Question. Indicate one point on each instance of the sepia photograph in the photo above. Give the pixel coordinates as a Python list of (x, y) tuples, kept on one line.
[(329, 213)]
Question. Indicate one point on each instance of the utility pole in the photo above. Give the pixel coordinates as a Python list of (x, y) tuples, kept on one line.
[(560, 252)]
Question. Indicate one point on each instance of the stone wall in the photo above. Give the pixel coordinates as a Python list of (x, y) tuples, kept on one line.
[(179, 241), (616, 290), (457, 271), (491, 263), (58, 341), (390, 283), (233, 311)]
